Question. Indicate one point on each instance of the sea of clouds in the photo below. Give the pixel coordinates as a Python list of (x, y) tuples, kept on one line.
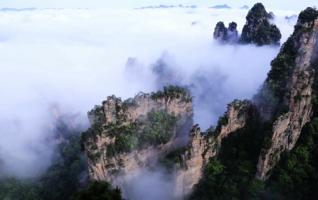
[(65, 61)]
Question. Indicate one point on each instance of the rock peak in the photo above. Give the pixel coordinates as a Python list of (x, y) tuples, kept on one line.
[(258, 28), (226, 35)]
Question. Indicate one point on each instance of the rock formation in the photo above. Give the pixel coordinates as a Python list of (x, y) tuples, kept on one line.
[(258, 29), (127, 135), (220, 32), (232, 33), (227, 35), (295, 92), (116, 144)]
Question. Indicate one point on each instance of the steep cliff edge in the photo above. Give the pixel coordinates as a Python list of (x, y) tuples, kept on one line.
[(127, 135), (292, 92), (206, 145)]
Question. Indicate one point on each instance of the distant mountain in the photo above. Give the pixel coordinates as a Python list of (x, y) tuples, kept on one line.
[(223, 6), (245, 7), (291, 18), (16, 9), (167, 6)]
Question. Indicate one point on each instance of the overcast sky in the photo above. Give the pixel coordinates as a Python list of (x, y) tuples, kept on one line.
[(272, 4)]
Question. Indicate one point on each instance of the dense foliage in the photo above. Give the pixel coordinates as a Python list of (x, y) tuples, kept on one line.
[(13, 189), (308, 15), (63, 178), (156, 129), (296, 176), (159, 128), (98, 191)]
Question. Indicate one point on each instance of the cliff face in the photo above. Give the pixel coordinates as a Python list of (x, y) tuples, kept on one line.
[(297, 99), (200, 149), (128, 135), (203, 146)]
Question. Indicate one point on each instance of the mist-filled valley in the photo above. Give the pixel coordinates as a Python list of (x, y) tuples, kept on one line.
[(57, 64)]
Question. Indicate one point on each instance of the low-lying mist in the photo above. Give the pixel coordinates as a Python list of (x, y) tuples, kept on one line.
[(74, 58)]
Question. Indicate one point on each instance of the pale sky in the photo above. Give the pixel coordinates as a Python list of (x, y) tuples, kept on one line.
[(272, 4)]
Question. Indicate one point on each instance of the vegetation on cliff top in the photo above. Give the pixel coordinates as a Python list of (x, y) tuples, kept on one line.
[(171, 92), (258, 29), (308, 15)]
